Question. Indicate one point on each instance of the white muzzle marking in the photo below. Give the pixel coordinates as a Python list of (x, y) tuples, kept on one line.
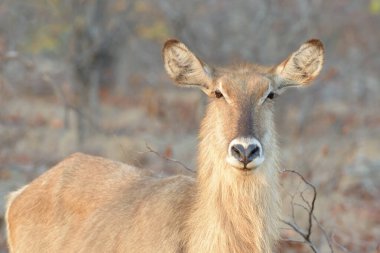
[(245, 142)]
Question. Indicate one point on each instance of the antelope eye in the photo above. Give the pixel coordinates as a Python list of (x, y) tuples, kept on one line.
[(218, 94), (272, 95)]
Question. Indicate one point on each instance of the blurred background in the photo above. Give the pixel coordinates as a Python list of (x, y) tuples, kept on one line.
[(87, 75)]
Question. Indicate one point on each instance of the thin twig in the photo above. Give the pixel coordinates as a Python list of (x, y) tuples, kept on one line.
[(340, 246), (292, 203), (294, 227), (303, 197), (301, 233), (327, 237), (306, 235), (312, 205), (167, 158)]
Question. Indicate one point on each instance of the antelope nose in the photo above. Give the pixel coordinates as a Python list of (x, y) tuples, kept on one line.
[(245, 155)]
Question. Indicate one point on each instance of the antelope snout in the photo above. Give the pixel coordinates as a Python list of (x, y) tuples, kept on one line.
[(245, 153)]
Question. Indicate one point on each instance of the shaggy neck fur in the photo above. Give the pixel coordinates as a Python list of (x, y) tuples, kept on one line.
[(234, 211)]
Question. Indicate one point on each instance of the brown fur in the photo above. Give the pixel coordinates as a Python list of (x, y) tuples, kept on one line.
[(91, 204)]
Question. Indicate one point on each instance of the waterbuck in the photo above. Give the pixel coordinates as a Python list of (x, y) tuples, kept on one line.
[(91, 204)]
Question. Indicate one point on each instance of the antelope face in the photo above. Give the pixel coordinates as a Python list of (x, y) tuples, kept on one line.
[(242, 104), (239, 115)]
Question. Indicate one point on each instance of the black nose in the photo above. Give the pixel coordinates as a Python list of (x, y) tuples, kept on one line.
[(245, 155)]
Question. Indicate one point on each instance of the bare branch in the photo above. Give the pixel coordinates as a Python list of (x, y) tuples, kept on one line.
[(294, 227), (292, 203), (327, 237), (309, 208), (301, 233), (340, 246), (167, 158), (307, 237)]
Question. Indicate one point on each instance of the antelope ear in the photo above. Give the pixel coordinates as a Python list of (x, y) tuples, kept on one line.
[(184, 67), (301, 67)]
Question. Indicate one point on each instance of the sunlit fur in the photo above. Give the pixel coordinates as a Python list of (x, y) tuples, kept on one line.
[(234, 211), (91, 204)]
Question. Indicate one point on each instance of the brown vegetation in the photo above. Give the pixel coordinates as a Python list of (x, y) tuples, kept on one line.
[(329, 132)]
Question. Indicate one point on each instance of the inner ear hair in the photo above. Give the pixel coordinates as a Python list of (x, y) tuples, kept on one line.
[(185, 68), (303, 66)]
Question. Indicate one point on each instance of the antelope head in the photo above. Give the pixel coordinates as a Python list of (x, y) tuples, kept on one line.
[(239, 118)]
